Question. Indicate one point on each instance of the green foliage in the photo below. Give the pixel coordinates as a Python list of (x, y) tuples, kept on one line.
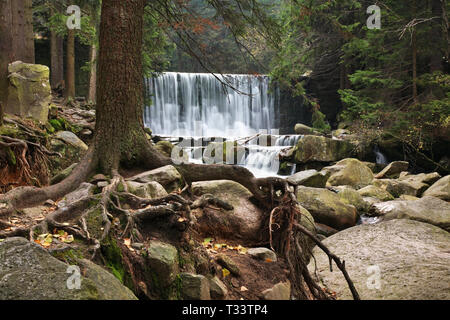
[(319, 122)]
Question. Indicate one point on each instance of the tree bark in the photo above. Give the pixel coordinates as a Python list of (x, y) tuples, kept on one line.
[(57, 59), (70, 64), (93, 74), (437, 34), (16, 39)]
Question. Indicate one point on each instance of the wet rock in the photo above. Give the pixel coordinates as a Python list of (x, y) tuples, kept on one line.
[(427, 209), (326, 207), (393, 169), (349, 172), (29, 272), (440, 189), (280, 291), (194, 287), (263, 254), (309, 178), (407, 259)]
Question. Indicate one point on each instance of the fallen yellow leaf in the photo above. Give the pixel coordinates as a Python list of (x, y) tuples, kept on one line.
[(225, 272)]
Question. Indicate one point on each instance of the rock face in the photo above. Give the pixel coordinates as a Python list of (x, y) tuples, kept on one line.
[(393, 169), (321, 149), (29, 91), (349, 172), (327, 208), (167, 176), (427, 209), (440, 189), (398, 259), (309, 178), (29, 272), (194, 287), (242, 222)]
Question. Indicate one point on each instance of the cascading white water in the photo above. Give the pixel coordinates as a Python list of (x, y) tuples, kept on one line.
[(198, 104)]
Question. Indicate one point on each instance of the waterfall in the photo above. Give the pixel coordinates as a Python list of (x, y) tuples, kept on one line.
[(379, 156), (198, 104), (193, 105)]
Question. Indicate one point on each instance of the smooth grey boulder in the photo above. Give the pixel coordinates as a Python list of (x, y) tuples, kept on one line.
[(72, 139), (262, 254), (393, 260), (440, 189), (309, 178)]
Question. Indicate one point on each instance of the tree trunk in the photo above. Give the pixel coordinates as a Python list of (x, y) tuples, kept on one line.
[(70, 64), (57, 59), (414, 56), (16, 39), (437, 34), (93, 74)]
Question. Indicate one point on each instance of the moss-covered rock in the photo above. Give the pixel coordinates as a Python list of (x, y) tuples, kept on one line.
[(29, 91), (167, 176), (315, 148), (150, 189), (373, 191), (326, 207), (29, 272), (164, 147), (349, 172)]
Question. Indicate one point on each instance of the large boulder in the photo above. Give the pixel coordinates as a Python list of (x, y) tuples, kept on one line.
[(29, 91), (427, 209), (303, 129), (321, 149), (309, 178), (393, 169), (243, 221), (167, 176), (391, 260), (326, 207), (29, 272), (440, 189), (351, 196), (349, 172)]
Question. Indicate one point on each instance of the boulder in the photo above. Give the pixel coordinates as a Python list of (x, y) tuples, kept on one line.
[(321, 149), (29, 91), (84, 190), (397, 188), (152, 189), (393, 169), (228, 263), (427, 209), (303, 129), (349, 172), (243, 221), (392, 260), (375, 192), (426, 178), (326, 207), (167, 176), (164, 147), (309, 178), (29, 272), (263, 254), (280, 291), (194, 287), (72, 139), (351, 196), (163, 262), (440, 189)]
